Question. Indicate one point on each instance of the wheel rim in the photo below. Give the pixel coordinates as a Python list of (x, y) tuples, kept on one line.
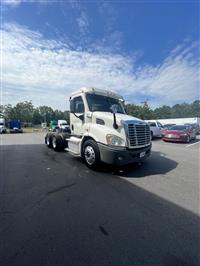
[(54, 143), (89, 155)]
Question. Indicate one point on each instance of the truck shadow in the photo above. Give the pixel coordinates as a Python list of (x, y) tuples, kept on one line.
[(156, 164)]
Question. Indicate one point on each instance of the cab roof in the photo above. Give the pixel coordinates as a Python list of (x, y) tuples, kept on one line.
[(96, 91)]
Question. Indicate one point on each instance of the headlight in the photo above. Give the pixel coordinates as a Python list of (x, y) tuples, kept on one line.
[(114, 140)]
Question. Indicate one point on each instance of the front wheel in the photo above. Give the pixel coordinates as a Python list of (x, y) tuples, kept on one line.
[(188, 139), (91, 153)]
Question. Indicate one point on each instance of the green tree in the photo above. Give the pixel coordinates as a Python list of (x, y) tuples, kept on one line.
[(9, 112), (133, 110), (24, 111), (163, 112), (46, 113), (37, 118), (195, 109)]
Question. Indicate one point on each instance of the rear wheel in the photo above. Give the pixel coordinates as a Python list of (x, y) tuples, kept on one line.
[(48, 141), (57, 143), (91, 153)]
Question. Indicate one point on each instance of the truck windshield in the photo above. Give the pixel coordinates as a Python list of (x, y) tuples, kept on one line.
[(102, 103)]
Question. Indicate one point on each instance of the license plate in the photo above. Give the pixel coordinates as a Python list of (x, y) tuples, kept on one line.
[(142, 154)]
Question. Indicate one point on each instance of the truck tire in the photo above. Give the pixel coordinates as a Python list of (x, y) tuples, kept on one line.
[(188, 139), (57, 143), (48, 140), (91, 153)]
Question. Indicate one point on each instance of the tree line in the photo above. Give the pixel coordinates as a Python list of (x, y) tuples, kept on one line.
[(183, 110), (27, 113)]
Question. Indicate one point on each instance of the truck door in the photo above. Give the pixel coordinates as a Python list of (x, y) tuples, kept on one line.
[(77, 116)]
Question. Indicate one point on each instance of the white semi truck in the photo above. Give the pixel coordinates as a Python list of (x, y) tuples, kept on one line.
[(63, 124), (100, 130), (2, 125)]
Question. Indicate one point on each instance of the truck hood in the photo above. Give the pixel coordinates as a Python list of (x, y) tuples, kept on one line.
[(120, 118)]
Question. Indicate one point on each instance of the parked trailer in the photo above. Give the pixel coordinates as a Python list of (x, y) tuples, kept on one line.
[(100, 130), (180, 121)]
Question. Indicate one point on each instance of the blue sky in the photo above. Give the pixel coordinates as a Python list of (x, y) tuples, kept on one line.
[(141, 49)]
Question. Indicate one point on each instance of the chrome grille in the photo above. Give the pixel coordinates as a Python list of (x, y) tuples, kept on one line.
[(138, 135)]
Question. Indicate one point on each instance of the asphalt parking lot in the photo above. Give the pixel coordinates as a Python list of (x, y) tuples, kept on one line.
[(56, 211)]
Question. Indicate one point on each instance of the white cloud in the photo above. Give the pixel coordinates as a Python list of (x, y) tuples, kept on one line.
[(47, 71), (11, 2), (83, 23)]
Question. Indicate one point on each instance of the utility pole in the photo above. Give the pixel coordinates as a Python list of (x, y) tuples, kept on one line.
[(145, 103)]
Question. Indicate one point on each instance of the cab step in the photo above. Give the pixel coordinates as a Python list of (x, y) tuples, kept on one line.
[(73, 145)]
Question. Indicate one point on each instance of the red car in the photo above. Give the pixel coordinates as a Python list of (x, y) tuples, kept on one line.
[(179, 133)]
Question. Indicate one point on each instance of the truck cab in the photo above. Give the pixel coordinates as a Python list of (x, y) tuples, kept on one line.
[(62, 124), (2, 125), (102, 131), (53, 125)]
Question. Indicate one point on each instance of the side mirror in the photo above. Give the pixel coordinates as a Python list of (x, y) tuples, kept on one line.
[(89, 114)]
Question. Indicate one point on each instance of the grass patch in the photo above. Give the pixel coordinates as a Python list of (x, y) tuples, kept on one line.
[(34, 129)]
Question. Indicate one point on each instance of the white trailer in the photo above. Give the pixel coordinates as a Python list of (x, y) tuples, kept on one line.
[(100, 130), (180, 121)]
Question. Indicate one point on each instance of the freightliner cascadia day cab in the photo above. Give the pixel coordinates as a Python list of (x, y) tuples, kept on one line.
[(100, 130)]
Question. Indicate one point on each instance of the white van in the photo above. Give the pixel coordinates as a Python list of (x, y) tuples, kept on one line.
[(156, 128)]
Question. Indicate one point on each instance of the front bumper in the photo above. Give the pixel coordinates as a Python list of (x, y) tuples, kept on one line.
[(175, 138), (16, 131), (2, 130), (122, 156), (180, 139)]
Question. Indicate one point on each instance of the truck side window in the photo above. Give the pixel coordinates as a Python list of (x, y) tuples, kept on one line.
[(77, 105), (72, 106), (152, 124)]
